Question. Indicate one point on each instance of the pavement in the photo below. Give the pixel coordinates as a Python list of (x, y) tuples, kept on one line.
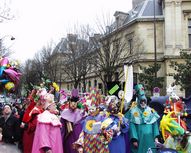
[(8, 148)]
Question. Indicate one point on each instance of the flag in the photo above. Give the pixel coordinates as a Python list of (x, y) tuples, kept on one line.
[(128, 90)]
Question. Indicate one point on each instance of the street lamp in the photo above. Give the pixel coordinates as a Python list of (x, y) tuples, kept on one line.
[(12, 38), (155, 49), (1, 40)]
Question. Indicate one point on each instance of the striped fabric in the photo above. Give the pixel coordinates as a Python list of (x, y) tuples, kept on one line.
[(97, 143)]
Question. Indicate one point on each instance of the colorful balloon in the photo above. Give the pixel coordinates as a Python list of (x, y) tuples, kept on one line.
[(9, 86), (2, 68), (13, 75), (4, 62), (4, 81)]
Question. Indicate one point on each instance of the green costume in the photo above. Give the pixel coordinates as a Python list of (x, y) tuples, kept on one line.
[(143, 128)]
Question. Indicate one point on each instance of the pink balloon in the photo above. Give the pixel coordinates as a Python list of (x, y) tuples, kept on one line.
[(4, 62), (13, 75)]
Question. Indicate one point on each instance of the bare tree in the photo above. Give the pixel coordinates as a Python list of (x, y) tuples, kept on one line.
[(5, 11), (42, 66), (77, 55), (48, 58), (5, 14), (113, 50), (31, 74)]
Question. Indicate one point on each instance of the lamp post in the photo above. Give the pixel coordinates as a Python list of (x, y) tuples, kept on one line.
[(155, 49)]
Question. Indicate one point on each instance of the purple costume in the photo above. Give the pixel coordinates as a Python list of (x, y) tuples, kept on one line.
[(71, 128)]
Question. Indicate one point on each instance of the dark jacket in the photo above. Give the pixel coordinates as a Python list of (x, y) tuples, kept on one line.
[(10, 129)]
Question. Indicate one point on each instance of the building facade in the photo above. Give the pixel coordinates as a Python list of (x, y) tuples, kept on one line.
[(152, 27), (162, 27)]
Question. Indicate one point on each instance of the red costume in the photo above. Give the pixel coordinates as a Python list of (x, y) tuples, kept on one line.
[(31, 121)]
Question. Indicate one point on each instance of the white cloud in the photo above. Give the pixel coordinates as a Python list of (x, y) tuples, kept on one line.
[(37, 22)]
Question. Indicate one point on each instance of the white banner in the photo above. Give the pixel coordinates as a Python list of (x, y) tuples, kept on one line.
[(128, 83)]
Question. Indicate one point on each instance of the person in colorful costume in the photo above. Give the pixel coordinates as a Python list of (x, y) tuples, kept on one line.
[(174, 135), (47, 137), (176, 105), (71, 125), (94, 137), (143, 126), (29, 123), (119, 124)]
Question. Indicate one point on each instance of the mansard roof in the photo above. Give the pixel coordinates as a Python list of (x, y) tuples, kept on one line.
[(145, 10)]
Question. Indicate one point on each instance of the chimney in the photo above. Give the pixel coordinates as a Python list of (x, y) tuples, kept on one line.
[(120, 18)]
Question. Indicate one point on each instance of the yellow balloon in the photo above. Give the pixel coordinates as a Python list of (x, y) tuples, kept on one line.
[(9, 86)]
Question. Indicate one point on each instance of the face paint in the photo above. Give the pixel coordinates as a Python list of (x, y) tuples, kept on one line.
[(143, 103), (73, 105), (112, 108), (92, 110)]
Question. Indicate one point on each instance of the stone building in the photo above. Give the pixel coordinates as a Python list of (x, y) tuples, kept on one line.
[(151, 27), (163, 27)]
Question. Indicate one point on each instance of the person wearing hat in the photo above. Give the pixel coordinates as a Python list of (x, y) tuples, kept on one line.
[(71, 125), (47, 134), (143, 126), (29, 125), (94, 137), (174, 135), (119, 124)]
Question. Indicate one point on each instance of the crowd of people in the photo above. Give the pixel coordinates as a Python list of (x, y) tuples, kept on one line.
[(92, 124)]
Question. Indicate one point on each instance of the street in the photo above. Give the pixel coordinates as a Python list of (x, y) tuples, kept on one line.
[(8, 148)]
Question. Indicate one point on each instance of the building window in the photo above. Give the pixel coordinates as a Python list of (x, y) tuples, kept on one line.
[(68, 87), (189, 32), (116, 76), (95, 83), (100, 87), (116, 44), (130, 45), (135, 78), (89, 84), (79, 87)]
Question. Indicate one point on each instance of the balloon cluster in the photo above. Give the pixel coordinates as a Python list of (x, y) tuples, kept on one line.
[(9, 75)]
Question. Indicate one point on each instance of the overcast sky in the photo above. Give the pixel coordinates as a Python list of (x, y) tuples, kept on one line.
[(37, 22)]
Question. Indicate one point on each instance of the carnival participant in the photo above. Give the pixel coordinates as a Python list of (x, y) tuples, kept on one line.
[(94, 138), (71, 125), (175, 137), (47, 137), (29, 125), (143, 126), (119, 125)]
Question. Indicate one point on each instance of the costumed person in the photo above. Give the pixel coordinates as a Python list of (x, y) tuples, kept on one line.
[(174, 135), (119, 124), (47, 137), (175, 104), (29, 125), (94, 138), (143, 126), (71, 125)]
